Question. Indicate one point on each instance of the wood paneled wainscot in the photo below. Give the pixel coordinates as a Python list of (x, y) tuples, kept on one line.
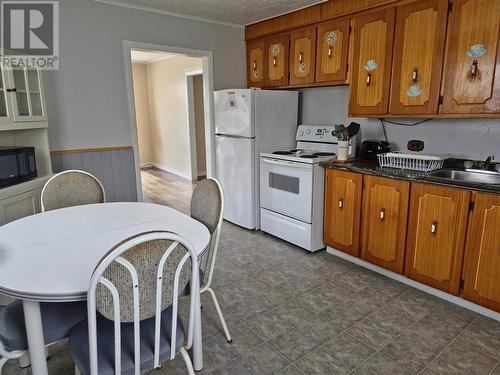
[(371, 76), (482, 264), (277, 61), (384, 220), (436, 235), (332, 51), (418, 57), (472, 81), (302, 56), (256, 67), (343, 196)]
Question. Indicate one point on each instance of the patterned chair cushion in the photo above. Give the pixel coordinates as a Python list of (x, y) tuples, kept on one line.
[(79, 344), (58, 319)]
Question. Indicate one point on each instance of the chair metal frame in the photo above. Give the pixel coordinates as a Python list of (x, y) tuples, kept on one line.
[(98, 278), (207, 287), (70, 171)]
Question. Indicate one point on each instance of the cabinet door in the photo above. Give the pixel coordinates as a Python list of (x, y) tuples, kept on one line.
[(418, 57), (28, 99), (472, 80), (277, 61), (436, 236), (385, 213), (343, 210), (482, 270), (255, 63), (332, 51), (19, 206), (5, 107), (302, 56), (373, 41)]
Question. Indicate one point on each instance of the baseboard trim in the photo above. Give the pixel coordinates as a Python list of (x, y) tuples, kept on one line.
[(172, 170), (425, 288)]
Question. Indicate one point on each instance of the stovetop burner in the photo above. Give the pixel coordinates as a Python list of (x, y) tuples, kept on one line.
[(313, 156), (283, 152), (324, 154)]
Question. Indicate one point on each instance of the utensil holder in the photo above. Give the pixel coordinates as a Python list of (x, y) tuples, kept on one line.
[(342, 150)]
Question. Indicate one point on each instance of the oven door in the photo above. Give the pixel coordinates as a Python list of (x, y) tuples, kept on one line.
[(286, 188)]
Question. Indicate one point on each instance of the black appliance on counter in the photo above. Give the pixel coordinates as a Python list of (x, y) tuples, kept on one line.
[(371, 148), (17, 164)]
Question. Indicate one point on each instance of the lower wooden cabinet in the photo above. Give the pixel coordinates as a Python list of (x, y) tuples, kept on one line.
[(384, 220), (343, 210), (482, 263), (436, 235)]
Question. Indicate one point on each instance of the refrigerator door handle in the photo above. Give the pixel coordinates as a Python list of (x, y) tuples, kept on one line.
[(233, 136)]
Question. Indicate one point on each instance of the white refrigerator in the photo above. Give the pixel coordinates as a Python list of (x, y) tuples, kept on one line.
[(248, 122)]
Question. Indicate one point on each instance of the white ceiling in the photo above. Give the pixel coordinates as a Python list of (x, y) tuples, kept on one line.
[(237, 12), (147, 57)]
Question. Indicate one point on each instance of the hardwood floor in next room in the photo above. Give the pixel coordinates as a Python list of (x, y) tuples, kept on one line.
[(167, 189)]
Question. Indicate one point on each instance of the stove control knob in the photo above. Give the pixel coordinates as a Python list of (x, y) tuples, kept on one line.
[(308, 131), (301, 133)]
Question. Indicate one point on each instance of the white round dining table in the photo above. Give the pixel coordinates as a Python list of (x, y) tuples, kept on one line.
[(50, 257)]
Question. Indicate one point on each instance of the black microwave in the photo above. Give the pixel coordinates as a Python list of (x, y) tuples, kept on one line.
[(17, 164)]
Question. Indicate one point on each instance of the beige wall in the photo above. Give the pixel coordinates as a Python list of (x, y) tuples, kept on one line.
[(199, 117), (141, 96), (169, 112)]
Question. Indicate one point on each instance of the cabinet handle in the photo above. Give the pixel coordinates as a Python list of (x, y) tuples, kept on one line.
[(275, 61), (330, 52), (301, 57), (254, 65), (382, 214), (414, 76), (434, 227), (368, 79), (474, 69), (341, 203)]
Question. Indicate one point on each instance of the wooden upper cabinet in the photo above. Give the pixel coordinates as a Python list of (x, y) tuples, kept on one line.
[(385, 213), (482, 267), (418, 57), (256, 63), (302, 56), (343, 210), (436, 235), (472, 79), (277, 60), (332, 51), (336, 8), (371, 75)]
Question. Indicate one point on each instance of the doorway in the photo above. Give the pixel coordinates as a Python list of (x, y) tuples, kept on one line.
[(170, 105)]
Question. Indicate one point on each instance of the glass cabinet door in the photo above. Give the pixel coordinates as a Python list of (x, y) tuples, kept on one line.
[(28, 94), (4, 110)]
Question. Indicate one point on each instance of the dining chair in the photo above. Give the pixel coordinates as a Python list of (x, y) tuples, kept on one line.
[(57, 320), (132, 304), (71, 188), (207, 206)]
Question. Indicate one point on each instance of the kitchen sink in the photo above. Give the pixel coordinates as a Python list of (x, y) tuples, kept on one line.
[(482, 177)]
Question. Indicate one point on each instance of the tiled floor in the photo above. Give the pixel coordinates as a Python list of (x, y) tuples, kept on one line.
[(295, 314)]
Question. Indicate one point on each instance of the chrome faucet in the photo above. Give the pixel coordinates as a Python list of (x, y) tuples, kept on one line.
[(486, 164)]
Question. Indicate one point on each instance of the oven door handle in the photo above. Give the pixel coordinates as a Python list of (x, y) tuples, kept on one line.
[(286, 163)]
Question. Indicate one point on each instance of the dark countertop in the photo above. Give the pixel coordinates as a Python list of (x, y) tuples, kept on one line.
[(372, 168)]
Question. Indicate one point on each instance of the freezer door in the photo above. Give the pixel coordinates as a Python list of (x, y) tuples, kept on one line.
[(233, 110), (235, 169)]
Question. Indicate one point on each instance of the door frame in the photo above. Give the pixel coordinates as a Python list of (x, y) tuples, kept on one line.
[(192, 121), (208, 89)]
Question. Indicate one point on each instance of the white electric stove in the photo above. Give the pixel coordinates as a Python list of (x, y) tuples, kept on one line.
[(292, 187)]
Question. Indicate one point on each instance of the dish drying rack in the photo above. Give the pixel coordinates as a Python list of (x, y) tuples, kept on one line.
[(411, 160)]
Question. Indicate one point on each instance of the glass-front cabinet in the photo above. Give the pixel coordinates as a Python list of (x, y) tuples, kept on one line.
[(22, 101), (5, 108)]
